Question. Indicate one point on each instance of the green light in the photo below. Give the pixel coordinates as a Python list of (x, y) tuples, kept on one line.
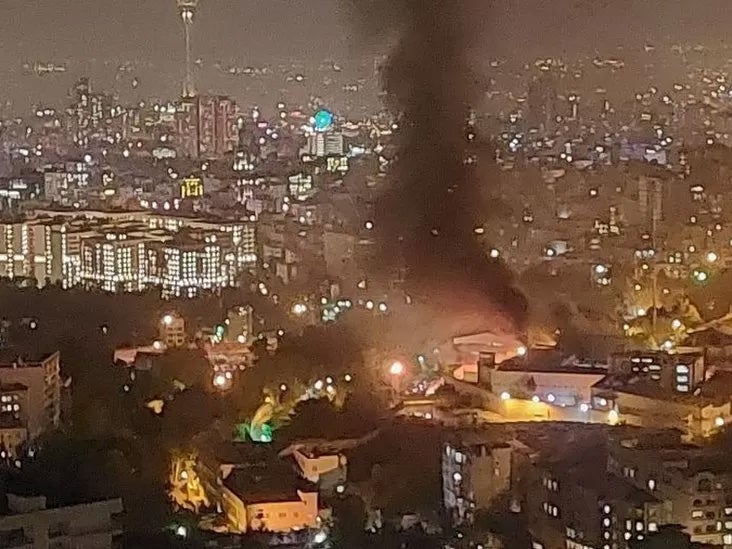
[(322, 120), (267, 434)]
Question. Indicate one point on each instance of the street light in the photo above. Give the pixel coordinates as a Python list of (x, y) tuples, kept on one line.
[(299, 309), (221, 381), (396, 368), (168, 320)]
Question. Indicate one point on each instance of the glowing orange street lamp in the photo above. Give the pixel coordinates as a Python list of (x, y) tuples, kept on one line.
[(397, 369)]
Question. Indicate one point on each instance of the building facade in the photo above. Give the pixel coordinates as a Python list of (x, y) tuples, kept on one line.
[(87, 526), (35, 390)]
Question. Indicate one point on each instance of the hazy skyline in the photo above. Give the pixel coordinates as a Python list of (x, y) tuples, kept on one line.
[(88, 33), (108, 28)]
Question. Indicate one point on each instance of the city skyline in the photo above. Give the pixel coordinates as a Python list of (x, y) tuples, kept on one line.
[(259, 32)]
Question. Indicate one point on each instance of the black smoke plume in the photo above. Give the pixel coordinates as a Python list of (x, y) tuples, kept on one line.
[(427, 218)]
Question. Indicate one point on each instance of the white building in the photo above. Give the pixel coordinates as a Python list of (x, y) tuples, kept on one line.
[(321, 144)]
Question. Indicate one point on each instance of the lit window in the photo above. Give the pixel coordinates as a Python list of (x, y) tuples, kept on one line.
[(651, 484), (652, 527)]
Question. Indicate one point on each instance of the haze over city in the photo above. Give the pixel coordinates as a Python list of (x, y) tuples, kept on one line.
[(352, 274)]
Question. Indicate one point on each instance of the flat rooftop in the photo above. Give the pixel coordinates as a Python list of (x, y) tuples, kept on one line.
[(552, 361)]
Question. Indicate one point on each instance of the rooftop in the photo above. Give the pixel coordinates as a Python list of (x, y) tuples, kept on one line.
[(552, 361), (267, 482), (715, 391), (11, 359)]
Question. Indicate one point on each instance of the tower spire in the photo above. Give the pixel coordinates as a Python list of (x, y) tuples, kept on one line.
[(187, 10)]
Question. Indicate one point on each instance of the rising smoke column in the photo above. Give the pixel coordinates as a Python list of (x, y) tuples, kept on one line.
[(427, 218)]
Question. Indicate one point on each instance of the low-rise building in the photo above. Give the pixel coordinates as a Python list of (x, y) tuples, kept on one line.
[(172, 331), (30, 523), (32, 392), (640, 400), (268, 501)]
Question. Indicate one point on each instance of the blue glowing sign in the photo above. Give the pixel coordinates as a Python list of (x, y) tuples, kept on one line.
[(322, 120)]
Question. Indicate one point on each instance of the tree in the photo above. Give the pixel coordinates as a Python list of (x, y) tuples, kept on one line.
[(185, 366), (350, 518)]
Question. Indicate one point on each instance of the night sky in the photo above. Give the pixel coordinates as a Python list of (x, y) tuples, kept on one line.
[(88, 33)]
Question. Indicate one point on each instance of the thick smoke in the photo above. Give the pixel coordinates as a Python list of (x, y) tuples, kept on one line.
[(427, 218)]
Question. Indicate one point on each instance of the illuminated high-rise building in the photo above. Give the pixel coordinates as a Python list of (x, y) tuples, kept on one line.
[(187, 10), (206, 126)]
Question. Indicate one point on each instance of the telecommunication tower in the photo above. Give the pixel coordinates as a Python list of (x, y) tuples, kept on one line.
[(187, 10)]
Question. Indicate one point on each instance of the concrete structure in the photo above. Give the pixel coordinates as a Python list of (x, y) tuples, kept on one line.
[(39, 407), (128, 253), (475, 472), (240, 324), (187, 9), (267, 502), (326, 469), (324, 144), (207, 126), (86, 526), (13, 419), (29, 249), (639, 400), (695, 482), (577, 505), (548, 375), (172, 331)]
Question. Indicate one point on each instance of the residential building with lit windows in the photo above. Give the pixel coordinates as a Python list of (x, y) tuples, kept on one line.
[(696, 482), (475, 472), (578, 506), (172, 331), (30, 392), (31, 250), (66, 183), (13, 419), (182, 256), (641, 400), (114, 262), (206, 126)]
